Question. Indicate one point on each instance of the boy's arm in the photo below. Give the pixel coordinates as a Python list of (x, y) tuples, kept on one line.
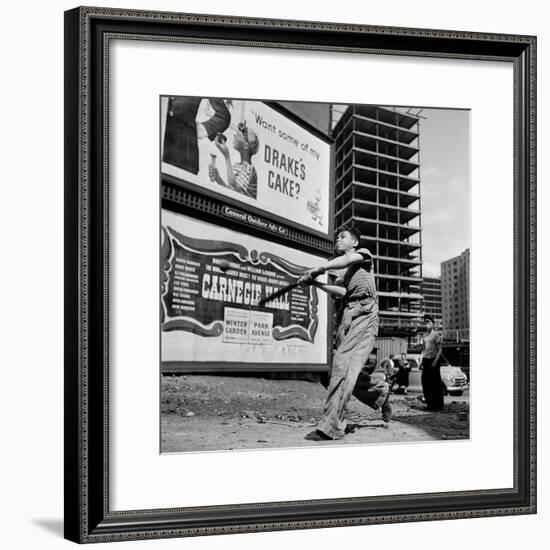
[(230, 174), (439, 352), (340, 262), (218, 179), (215, 176)]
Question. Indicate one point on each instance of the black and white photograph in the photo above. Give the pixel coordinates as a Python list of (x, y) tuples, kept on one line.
[(314, 274), (295, 247)]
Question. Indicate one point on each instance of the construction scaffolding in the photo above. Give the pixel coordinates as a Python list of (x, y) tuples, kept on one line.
[(377, 188)]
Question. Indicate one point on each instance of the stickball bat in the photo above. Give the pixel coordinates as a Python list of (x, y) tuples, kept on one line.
[(282, 291)]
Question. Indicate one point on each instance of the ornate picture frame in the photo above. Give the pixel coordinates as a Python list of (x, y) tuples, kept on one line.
[(88, 35)]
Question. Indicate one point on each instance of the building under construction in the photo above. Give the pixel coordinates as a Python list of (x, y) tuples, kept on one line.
[(377, 188)]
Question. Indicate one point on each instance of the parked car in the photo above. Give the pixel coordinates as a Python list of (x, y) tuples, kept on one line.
[(453, 378)]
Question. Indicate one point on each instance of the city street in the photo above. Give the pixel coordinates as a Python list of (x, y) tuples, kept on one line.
[(210, 413)]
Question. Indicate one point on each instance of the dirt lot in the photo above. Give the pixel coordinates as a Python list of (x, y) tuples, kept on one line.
[(210, 413)]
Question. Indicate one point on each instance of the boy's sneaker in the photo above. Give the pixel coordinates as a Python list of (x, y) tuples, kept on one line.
[(318, 435)]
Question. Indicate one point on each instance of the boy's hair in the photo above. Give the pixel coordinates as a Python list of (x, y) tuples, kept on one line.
[(253, 142), (250, 136), (429, 318), (352, 230)]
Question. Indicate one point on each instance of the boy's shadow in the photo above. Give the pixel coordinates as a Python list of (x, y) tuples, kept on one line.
[(352, 427)]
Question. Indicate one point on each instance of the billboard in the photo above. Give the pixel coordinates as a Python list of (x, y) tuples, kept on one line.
[(211, 282), (249, 152)]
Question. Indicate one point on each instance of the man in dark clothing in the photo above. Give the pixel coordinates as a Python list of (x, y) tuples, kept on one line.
[(182, 131), (431, 376)]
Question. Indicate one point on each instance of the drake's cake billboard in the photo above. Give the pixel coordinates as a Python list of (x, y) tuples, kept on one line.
[(249, 152)]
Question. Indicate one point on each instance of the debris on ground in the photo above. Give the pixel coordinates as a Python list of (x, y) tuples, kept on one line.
[(209, 412)]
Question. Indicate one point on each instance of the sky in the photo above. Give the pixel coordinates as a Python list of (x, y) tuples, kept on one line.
[(445, 186)]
